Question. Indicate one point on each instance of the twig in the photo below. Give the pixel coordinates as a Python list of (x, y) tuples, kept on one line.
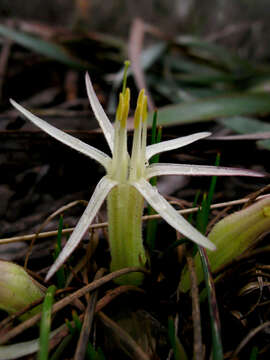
[(196, 314), (49, 218), (100, 305), (105, 224), (250, 335), (129, 343), (134, 51), (87, 322), (69, 299)]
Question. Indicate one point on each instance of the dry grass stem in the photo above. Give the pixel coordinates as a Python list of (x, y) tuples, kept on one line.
[(68, 300), (130, 345), (87, 321), (47, 234), (196, 314)]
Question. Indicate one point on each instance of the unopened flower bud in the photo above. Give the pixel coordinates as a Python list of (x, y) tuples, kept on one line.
[(17, 288)]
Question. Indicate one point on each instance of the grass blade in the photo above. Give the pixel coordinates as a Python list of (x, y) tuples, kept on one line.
[(46, 48), (202, 220), (151, 229), (178, 349), (60, 274), (212, 108), (45, 324)]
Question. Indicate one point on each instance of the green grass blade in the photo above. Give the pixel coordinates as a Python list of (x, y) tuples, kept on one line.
[(211, 108), (178, 349), (217, 350), (58, 354), (46, 48), (202, 220), (45, 324), (60, 274), (254, 353), (151, 228)]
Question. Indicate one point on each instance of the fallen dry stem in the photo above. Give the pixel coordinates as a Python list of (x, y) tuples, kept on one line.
[(69, 299), (130, 344), (198, 352), (111, 295), (105, 224), (87, 321)]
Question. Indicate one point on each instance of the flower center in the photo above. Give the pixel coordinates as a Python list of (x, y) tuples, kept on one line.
[(126, 168)]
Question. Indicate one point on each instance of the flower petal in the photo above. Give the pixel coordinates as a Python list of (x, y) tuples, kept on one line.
[(170, 215), (102, 118), (101, 191), (154, 149), (65, 138), (197, 170)]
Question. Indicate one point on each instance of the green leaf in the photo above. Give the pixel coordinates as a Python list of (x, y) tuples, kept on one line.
[(46, 48), (60, 274), (212, 108), (178, 349), (247, 125), (45, 323), (210, 51)]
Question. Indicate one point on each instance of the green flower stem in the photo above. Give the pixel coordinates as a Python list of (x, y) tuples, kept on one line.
[(125, 207)]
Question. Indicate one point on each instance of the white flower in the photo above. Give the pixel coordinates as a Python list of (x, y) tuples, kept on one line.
[(126, 182)]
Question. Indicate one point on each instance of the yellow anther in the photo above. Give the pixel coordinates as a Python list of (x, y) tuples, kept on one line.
[(144, 109), (125, 110), (119, 110), (140, 97), (139, 110), (137, 117)]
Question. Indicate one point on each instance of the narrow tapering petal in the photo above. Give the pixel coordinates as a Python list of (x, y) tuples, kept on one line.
[(160, 169), (102, 118), (169, 214), (168, 145), (65, 138), (102, 189)]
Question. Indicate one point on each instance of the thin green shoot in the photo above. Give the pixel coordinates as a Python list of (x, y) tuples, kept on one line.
[(254, 353), (58, 354), (91, 353), (178, 349), (203, 213), (151, 228), (201, 222), (77, 321), (60, 274), (45, 323)]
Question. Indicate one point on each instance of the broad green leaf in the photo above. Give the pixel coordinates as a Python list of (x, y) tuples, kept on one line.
[(213, 52), (46, 48), (212, 108), (246, 125)]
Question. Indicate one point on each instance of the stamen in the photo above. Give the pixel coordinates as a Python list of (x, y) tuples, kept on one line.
[(144, 131), (125, 109), (138, 111), (119, 110), (137, 165)]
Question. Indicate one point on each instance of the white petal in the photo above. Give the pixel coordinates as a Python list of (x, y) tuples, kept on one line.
[(65, 138), (19, 350), (102, 118), (160, 169), (169, 214), (154, 149), (101, 191)]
